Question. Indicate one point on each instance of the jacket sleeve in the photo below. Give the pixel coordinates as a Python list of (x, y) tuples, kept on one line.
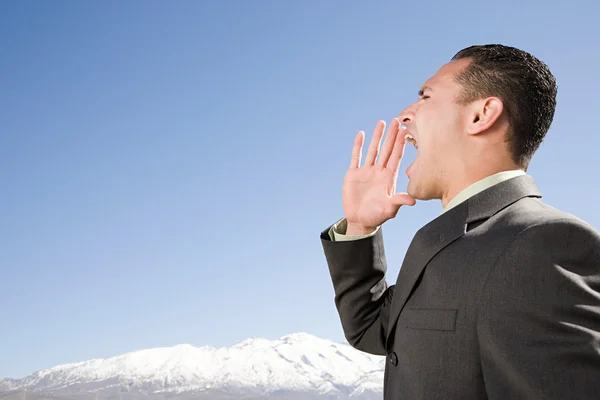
[(362, 296), (539, 319)]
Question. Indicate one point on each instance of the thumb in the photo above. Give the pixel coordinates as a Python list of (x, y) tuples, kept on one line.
[(403, 199)]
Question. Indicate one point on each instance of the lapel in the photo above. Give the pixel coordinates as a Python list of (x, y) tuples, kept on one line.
[(449, 227)]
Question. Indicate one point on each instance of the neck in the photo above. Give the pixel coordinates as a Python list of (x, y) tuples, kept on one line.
[(469, 176)]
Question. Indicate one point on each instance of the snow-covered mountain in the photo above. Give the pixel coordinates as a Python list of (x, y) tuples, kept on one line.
[(295, 366), (7, 384)]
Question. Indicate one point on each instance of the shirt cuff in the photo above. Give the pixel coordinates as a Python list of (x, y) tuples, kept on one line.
[(337, 232)]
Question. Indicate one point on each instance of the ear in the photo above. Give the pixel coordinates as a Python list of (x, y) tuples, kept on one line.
[(483, 114)]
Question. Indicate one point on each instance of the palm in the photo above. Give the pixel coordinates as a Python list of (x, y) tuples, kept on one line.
[(368, 193), (366, 196)]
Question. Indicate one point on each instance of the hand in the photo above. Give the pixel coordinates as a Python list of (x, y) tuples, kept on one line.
[(369, 192)]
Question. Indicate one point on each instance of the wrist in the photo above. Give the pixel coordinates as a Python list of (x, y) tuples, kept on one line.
[(354, 229)]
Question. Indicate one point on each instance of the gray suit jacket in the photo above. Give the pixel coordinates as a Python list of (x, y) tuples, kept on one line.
[(498, 298)]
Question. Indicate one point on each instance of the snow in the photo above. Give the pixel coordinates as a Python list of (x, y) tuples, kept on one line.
[(300, 362)]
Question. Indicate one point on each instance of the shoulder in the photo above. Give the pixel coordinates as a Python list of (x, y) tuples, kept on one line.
[(545, 232), (531, 221), (550, 252)]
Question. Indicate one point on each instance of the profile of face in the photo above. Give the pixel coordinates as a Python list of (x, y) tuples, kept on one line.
[(438, 124)]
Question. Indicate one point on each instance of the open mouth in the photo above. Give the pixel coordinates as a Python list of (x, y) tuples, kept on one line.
[(409, 138)]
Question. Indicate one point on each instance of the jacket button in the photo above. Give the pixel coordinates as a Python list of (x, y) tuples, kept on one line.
[(394, 359)]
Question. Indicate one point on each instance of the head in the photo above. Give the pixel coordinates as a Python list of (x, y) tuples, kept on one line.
[(485, 111)]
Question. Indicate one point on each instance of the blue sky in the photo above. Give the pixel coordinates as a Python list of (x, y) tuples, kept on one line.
[(167, 167)]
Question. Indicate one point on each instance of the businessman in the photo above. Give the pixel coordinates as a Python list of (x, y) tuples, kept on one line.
[(499, 296)]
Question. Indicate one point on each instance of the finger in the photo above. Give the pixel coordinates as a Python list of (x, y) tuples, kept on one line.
[(357, 149), (403, 199), (375, 143), (397, 201), (397, 153), (388, 144)]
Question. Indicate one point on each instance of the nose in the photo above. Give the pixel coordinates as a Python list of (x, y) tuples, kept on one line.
[(407, 115)]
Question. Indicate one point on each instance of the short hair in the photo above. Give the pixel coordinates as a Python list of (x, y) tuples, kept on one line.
[(525, 85)]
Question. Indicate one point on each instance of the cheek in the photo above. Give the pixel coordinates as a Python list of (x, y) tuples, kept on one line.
[(446, 125), (438, 134), (431, 115), (438, 125)]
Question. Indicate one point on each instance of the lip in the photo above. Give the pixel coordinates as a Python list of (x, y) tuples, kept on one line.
[(407, 130), (409, 137)]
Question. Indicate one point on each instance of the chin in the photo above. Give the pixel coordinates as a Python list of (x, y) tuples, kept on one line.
[(418, 191), (413, 191)]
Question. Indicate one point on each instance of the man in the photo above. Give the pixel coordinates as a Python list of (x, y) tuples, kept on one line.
[(499, 296)]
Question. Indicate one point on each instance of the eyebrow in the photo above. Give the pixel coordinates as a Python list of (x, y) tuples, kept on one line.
[(423, 89)]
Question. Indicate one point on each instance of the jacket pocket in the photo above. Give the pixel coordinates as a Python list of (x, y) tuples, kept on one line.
[(430, 319)]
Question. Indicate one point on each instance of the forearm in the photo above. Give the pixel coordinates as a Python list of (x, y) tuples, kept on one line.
[(362, 297)]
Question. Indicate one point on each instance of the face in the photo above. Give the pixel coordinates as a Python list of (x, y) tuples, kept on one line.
[(437, 124)]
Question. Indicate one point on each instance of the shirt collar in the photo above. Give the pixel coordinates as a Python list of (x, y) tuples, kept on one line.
[(480, 186)]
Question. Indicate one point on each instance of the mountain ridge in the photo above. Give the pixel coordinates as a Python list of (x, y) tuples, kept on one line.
[(298, 364)]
